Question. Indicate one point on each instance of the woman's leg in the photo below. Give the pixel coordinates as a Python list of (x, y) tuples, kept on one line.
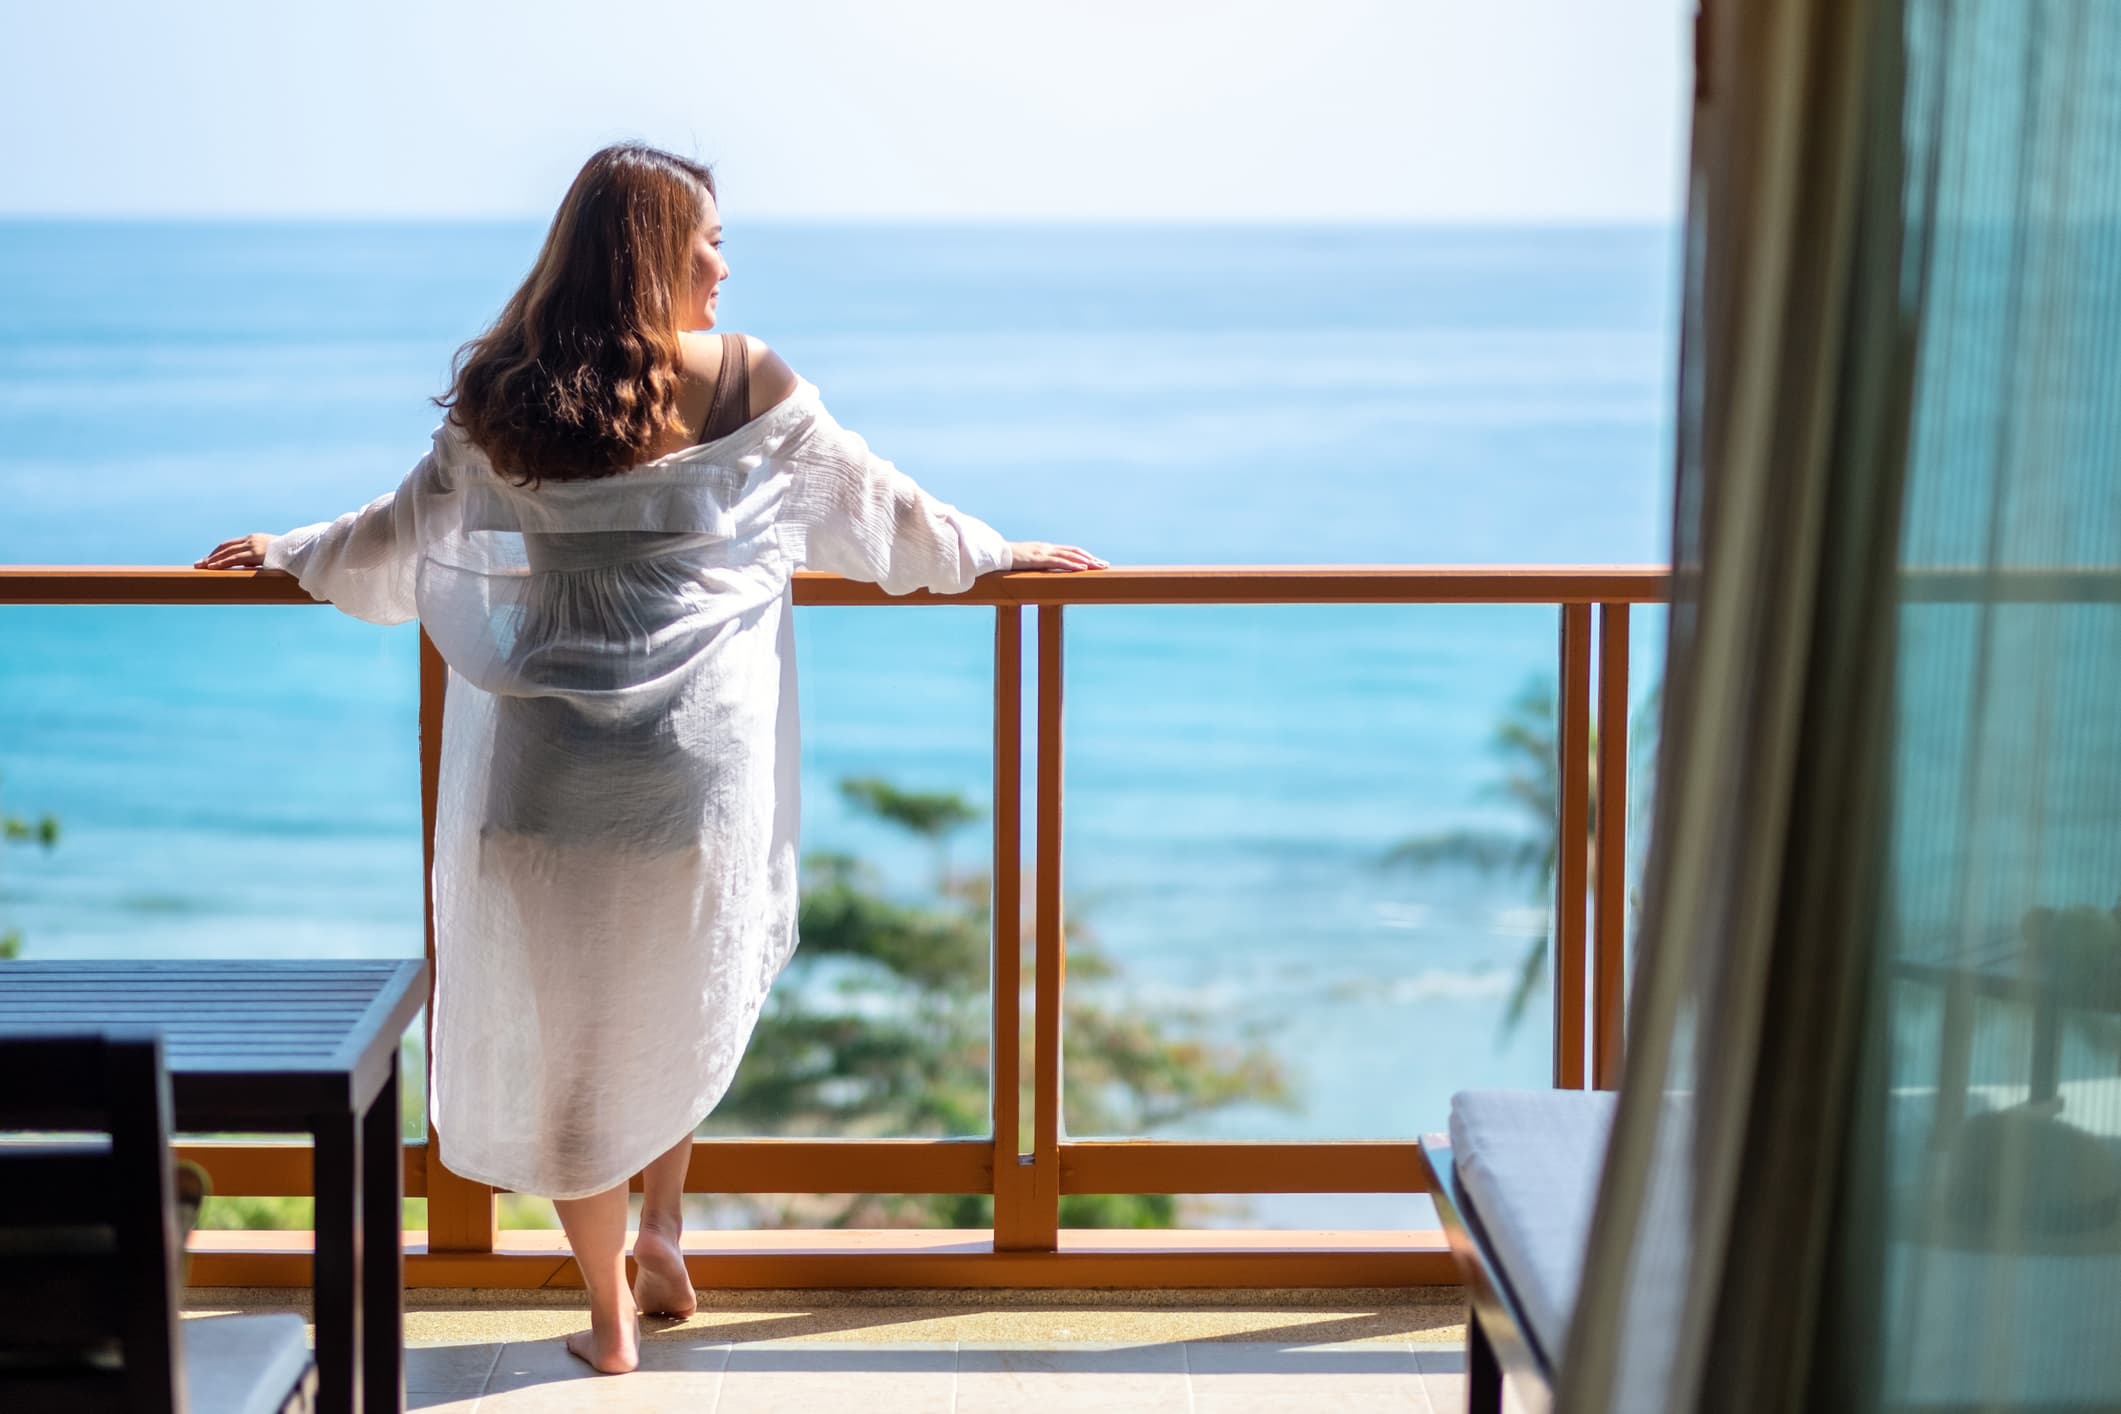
[(661, 1285), (596, 1230)]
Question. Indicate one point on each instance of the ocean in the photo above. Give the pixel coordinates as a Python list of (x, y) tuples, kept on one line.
[(243, 782)]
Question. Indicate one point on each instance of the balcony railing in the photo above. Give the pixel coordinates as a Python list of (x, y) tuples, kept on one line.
[(1026, 1246)]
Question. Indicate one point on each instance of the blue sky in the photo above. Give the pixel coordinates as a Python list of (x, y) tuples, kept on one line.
[(1214, 110)]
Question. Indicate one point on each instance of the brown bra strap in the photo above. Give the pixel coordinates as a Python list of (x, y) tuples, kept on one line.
[(731, 407)]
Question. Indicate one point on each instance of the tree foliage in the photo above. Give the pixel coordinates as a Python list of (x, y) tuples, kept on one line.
[(933, 815), (18, 830), (881, 1027)]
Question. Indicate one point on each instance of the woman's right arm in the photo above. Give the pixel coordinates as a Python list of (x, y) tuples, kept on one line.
[(366, 562)]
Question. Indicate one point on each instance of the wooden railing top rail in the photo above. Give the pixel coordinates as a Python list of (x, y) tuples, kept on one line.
[(1152, 584)]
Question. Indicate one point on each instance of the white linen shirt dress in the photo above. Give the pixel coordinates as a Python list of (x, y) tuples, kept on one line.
[(615, 849)]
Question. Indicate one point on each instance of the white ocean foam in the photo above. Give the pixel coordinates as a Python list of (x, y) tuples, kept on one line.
[(1521, 922), (1278, 993), (1441, 986), (1221, 995), (1408, 916)]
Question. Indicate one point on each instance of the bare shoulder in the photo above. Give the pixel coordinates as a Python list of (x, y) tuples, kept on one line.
[(699, 356), (772, 380), (699, 364)]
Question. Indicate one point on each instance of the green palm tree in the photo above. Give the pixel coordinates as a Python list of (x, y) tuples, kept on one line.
[(1525, 744)]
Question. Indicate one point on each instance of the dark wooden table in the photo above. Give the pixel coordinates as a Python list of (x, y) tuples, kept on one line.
[(306, 1047)]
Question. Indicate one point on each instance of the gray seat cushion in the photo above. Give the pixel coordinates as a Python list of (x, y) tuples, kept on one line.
[(1527, 1162), (243, 1364)]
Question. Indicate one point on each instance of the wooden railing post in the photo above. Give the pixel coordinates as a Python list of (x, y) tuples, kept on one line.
[(1014, 1229), (460, 1215), (1609, 830), (1572, 847), (1049, 964)]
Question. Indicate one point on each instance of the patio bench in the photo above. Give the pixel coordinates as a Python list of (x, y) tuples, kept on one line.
[(1515, 1181), (89, 1248)]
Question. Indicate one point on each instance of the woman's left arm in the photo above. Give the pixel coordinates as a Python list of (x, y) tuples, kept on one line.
[(367, 561), (853, 513)]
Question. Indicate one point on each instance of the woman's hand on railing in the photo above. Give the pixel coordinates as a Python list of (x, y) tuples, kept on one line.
[(1044, 555), (245, 552)]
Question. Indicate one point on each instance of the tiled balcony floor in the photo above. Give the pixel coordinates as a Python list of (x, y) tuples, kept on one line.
[(502, 1356)]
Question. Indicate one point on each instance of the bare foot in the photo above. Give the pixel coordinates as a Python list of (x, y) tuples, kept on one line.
[(610, 1346), (661, 1285)]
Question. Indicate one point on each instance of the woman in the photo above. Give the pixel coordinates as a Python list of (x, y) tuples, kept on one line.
[(601, 543)]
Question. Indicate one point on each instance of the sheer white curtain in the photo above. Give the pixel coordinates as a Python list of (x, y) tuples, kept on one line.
[(1869, 1147)]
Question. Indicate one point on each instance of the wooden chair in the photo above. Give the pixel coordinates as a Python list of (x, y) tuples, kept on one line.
[(89, 1249)]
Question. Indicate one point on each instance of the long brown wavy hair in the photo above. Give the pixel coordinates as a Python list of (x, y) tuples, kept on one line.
[(579, 374)]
